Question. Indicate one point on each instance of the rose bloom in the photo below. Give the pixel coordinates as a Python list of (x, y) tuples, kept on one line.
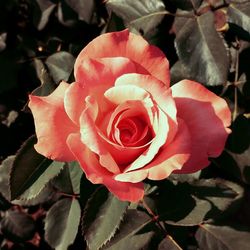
[(123, 122)]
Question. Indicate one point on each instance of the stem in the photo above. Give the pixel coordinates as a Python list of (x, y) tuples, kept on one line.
[(154, 217), (235, 112)]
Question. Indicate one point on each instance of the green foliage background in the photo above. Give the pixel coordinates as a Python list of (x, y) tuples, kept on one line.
[(51, 205)]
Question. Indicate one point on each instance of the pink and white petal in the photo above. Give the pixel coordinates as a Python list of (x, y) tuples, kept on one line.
[(207, 117), (52, 124), (94, 77), (91, 138), (74, 101), (170, 158), (99, 175), (121, 94), (159, 91), (128, 45), (102, 71), (161, 134)]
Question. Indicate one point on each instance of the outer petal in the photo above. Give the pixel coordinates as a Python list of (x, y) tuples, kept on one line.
[(207, 117), (98, 175), (93, 78), (128, 45), (170, 158), (52, 124)]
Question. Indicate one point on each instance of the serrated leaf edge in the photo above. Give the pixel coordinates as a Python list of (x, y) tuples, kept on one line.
[(112, 234)]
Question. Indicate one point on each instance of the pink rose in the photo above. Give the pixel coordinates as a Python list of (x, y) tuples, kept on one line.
[(123, 123)]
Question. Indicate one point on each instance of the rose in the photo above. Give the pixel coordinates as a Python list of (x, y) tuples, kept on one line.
[(123, 123)]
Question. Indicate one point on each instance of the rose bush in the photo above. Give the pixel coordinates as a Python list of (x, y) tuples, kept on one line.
[(124, 123)]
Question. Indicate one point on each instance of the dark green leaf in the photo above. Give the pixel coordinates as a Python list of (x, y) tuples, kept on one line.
[(69, 180), (51, 172), (239, 14), (203, 200), (228, 165), (5, 170), (133, 232), (86, 190), (187, 4), (84, 9), (223, 237), (168, 244), (61, 223), (41, 17), (239, 139), (202, 50), (114, 23), (103, 216), (46, 195), (3, 37), (179, 72), (243, 161), (142, 16), (27, 167), (18, 226), (47, 83), (60, 65)]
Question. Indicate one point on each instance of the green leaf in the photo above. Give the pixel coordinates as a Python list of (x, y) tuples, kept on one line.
[(223, 237), (84, 9), (141, 16), (61, 223), (5, 170), (134, 232), (187, 4), (102, 217), (3, 37), (51, 172), (47, 83), (204, 200), (179, 72), (41, 17), (69, 180), (202, 51), (239, 14), (46, 195), (18, 226), (60, 65), (168, 243), (27, 167), (243, 162), (239, 139)]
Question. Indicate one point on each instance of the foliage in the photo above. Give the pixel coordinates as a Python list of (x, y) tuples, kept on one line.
[(51, 205)]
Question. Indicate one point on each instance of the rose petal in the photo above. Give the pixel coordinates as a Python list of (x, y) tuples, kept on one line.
[(52, 124), (120, 94), (160, 139), (93, 78), (128, 45), (169, 158), (207, 117), (90, 137), (99, 175), (160, 93)]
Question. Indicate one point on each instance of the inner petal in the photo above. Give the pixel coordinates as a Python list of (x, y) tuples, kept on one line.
[(131, 131)]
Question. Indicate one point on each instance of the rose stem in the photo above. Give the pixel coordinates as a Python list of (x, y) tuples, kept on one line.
[(154, 217)]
